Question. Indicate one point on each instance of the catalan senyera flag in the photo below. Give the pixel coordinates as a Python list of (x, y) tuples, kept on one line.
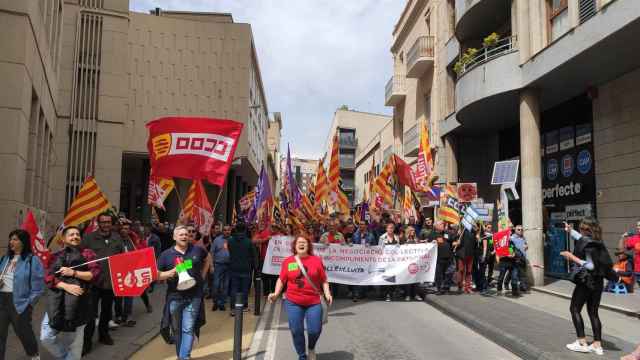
[(159, 189), (424, 168), (334, 172), (408, 208), (308, 208), (343, 202), (89, 203), (187, 206), (321, 187), (446, 212), (381, 184)]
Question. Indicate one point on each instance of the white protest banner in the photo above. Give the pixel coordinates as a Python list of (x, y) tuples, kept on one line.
[(362, 265)]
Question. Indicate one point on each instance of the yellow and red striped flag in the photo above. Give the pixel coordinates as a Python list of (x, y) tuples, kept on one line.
[(447, 212), (89, 203), (381, 184), (321, 187), (187, 206), (424, 168), (334, 171), (343, 203), (408, 208)]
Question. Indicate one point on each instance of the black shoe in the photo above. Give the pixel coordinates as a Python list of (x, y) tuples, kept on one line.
[(130, 323), (215, 307), (221, 307), (507, 287), (149, 309), (232, 314), (86, 348), (105, 340)]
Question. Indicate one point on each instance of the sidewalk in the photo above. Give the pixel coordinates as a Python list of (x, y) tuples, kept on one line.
[(627, 304), (127, 340), (537, 325), (216, 337)]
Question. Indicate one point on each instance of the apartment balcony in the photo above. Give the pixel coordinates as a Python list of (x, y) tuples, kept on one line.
[(346, 143), (487, 88), (420, 56), (452, 50), (395, 90), (411, 141), (477, 17)]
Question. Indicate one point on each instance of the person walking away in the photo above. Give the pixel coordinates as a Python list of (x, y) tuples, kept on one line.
[(104, 243), (591, 262), (465, 249), (21, 285), (183, 313), (411, 290), (242, 259), (220, 255), (303, 295), (68, 295), (389, 238)]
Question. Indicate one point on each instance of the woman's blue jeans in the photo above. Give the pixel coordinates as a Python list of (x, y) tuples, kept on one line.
[(297, 315)]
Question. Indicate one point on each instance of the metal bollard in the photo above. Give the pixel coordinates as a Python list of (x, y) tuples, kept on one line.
[(258, 295), (237, 329)]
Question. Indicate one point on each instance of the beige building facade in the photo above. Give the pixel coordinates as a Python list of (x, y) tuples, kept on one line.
[(304, 171), (83, 77), (547, 82), (355, 130)]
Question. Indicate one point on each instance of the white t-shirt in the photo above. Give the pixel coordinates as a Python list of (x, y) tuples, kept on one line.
[(7, 277)]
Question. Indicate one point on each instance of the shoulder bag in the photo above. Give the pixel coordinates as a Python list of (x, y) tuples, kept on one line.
[(323, 302)]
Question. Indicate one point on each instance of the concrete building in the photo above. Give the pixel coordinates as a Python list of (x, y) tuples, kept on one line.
[(304, 171), (274, 167), (372, 154), (355, 131), (82, 78), (554, 88)]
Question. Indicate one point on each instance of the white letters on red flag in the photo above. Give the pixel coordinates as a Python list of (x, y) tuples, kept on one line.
[(192, 148), (133, 271), (501, 242), (38, 245)]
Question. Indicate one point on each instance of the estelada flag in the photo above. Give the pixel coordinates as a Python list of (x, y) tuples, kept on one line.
[(501, 242), (38, 245), (133, 271), (192, 147)]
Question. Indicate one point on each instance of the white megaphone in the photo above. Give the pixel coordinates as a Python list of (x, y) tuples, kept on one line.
[(185, 281)]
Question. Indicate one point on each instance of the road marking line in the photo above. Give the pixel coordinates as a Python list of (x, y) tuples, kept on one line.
[(273, 331)]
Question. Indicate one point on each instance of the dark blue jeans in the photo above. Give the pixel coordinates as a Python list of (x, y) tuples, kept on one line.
[(297, 315), (240, 283), (220, 286)]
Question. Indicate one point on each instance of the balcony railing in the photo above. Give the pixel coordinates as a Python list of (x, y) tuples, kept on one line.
[(394, 91), (411, 141), (502, 47), (420, 56), (348, 142)]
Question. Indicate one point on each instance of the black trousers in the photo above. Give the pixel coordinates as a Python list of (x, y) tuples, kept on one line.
[(491, 260), (123, 306), (102, 298), (581, 295), (441, 271), (21, 326)]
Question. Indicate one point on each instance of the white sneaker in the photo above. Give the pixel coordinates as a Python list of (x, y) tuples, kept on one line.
[(311, 355), (418, 298), (595, 350), (112, 324), (37, 357), (578, 347), (407, 298)]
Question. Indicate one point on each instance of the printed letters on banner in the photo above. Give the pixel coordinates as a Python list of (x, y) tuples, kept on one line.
[(362, 265), (192, 148), (132, 272)]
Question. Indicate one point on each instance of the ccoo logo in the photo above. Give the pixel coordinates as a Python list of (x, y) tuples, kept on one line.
[(203, 144), (584, 162), (552, 169)]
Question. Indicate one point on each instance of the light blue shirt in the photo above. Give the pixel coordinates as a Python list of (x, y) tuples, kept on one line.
[(28, 281), (219, 252), (520, 243)]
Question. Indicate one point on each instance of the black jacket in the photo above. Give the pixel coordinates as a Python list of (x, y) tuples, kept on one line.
[(603, 265), (104, 246)]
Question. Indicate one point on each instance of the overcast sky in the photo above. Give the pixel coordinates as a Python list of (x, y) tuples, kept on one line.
[(314, 55)]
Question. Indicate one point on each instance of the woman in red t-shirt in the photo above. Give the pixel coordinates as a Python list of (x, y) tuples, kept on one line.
[(302, 301)]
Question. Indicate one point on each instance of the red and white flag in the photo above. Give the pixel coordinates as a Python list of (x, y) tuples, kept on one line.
[(133, 271), (193, 148), (501, 242), (159, 189), (38, 245), (202, 213)]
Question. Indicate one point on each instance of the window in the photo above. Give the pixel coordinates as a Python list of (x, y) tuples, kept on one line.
[(347, 159), (347, 137), (558, 18)]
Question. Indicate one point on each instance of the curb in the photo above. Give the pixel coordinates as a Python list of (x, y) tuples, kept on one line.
[(518, 346), (614, 308)]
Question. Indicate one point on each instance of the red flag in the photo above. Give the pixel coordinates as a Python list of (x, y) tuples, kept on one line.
[(405, 174), (501, 242), (202, 213), (38, 245), (192, 148), (132, 272)]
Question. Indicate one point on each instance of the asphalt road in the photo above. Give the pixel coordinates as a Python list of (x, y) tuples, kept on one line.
[(380, 330)]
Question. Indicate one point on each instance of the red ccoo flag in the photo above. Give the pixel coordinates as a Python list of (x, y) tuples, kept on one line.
[(133, 271), (38, 245), (192, 148)]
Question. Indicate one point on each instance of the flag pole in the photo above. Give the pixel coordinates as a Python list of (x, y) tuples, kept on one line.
[(88, 262)]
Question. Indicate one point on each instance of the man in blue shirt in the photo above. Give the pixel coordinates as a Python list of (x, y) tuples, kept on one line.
[(183, 311), (220, 256), (363, 236), (520, 243)]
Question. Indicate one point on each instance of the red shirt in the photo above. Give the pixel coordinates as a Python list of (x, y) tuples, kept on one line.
[(633, 243), (298, 289)]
